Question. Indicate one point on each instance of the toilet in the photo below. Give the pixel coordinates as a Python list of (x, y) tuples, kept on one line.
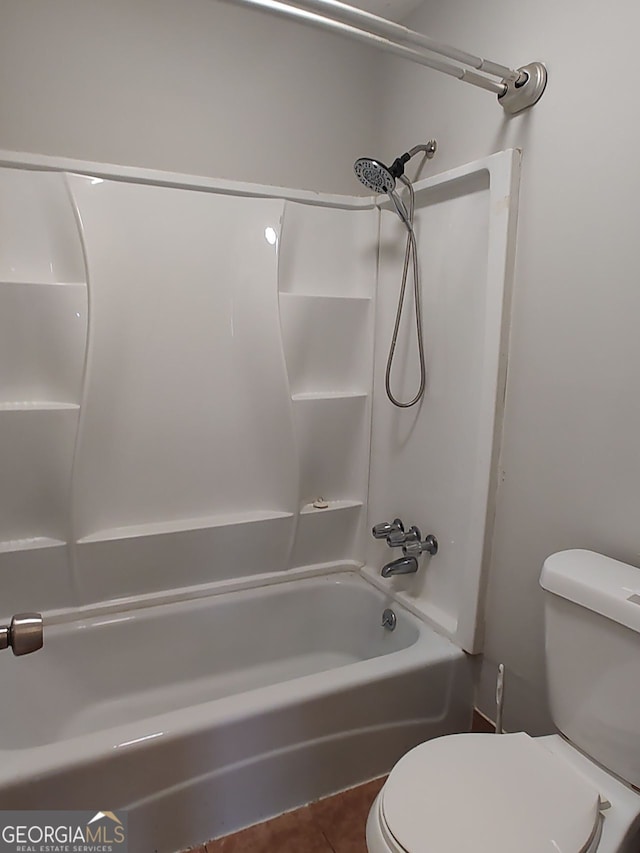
[(574, 792)]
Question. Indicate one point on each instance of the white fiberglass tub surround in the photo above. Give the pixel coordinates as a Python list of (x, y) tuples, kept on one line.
[(435, 465), (142, 448), (211, 714), (207, 374)]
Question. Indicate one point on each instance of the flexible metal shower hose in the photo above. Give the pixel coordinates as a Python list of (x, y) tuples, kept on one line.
[(411, 254)]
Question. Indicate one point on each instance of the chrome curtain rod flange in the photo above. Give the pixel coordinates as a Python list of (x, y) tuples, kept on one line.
[(522, 94)]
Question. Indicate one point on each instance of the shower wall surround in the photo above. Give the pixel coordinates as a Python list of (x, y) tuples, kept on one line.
[(188, 365), (435, 465), (214, 408)]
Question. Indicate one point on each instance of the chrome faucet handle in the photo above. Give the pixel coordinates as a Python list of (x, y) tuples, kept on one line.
[(396, 538), (415, 545), (413, 535), (384, 529), (24, 634)]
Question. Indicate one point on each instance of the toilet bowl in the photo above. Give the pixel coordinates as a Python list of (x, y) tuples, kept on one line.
[(502, 794), (572, 793)]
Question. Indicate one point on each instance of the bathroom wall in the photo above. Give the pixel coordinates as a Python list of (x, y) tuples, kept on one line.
[(199, 87), (204, 88), (570, 463)]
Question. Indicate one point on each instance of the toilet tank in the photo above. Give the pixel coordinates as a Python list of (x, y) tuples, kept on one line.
[(592, 645)]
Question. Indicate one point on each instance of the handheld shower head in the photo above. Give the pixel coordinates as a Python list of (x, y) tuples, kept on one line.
[(374, 175), (382, 179)]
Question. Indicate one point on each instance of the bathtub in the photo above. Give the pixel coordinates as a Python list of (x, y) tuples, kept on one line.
[(210, 714)]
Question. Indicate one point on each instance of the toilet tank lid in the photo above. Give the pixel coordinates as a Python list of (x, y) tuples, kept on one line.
[(599, 583)]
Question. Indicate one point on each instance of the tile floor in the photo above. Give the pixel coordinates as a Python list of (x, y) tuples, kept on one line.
[(333, 825)]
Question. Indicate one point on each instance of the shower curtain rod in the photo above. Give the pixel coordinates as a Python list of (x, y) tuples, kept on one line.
[(517, 90), (397, 32)]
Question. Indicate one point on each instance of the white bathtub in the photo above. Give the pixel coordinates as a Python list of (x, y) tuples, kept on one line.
[(208, 715)]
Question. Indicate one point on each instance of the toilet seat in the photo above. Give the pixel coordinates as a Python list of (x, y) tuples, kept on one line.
[(488, 794)]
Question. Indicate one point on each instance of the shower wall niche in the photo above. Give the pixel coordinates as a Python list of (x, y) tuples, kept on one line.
[(43, 329), (226, 385), (327, 280)]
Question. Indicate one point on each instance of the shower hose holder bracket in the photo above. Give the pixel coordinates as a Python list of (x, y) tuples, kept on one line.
[(526, 91)]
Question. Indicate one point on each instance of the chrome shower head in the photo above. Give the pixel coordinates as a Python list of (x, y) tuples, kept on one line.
[(374, 175), (382, 179)]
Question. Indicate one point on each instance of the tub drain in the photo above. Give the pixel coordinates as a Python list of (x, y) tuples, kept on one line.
[(389, 619)]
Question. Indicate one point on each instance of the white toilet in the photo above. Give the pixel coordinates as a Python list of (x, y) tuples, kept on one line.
[(578, 792)]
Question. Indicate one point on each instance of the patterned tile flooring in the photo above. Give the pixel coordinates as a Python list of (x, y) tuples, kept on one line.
[(333, 825)]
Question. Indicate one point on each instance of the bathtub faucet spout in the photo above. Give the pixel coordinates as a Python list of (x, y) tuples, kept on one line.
[(402, 566)]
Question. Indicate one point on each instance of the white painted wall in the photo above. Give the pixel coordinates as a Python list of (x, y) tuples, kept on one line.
[(571, 449), (200, 87)]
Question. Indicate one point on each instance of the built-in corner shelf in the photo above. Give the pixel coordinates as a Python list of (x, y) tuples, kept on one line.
[(327, 343), (326, 284), (185, 552), (32, 283), (328, 250), (43, 335), (333, 506), (34, 575), (319, 297), (43, 330), (329, 534), (304, 396), (156, 528), (38, 406), (30, 543)]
